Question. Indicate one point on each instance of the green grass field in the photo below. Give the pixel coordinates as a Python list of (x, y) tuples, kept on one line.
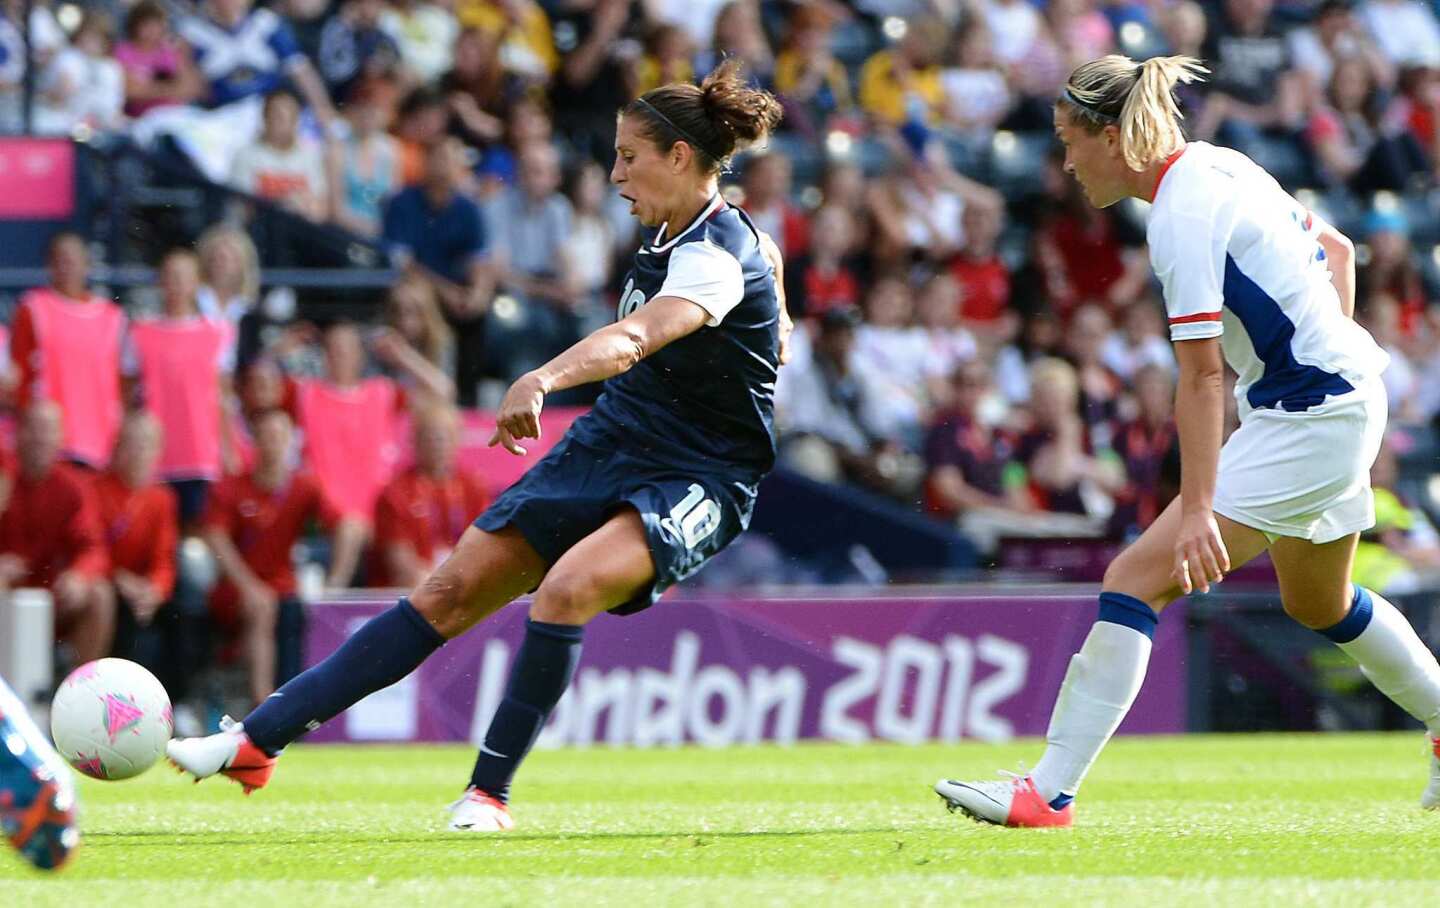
[(1214, 821)]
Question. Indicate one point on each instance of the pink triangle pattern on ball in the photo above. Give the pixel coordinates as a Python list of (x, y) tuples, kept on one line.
[(121, 713), (91, 766)]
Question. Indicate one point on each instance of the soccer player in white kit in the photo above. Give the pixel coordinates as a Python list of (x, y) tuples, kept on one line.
[(1251, 276)]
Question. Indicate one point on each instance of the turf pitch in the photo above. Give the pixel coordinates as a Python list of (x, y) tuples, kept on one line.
[(1222, 820)]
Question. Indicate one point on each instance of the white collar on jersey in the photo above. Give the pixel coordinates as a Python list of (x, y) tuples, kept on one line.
[(715, 202)]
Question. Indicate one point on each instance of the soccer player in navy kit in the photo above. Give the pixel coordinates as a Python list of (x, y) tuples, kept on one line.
[(657, 478)]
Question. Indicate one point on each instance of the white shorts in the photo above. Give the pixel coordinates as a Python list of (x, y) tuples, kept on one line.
[(1307, 474)]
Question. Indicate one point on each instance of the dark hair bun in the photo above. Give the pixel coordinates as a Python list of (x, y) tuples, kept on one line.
[(743, 114)]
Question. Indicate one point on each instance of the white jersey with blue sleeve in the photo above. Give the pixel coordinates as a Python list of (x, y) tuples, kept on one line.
[(1240, 259)]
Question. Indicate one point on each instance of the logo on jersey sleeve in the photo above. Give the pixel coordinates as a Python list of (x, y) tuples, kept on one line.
[(631, 299), (693, 519)]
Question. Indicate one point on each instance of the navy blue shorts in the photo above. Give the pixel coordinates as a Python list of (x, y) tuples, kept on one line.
[(689, 514)]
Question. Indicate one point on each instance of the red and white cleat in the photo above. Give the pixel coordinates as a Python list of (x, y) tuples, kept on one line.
[(229, 752), (1004, 802), (477, 811), (1430, 800)]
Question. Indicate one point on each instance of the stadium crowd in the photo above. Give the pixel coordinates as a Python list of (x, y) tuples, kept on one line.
[(974, 339)]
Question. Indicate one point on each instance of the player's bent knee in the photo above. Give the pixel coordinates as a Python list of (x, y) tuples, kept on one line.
[(1133, 577), (1316, 614), (568, 599)]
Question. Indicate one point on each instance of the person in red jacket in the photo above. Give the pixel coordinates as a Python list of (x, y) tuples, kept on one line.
[(253, 522), (50, 535), (139, 517), (423, 511)]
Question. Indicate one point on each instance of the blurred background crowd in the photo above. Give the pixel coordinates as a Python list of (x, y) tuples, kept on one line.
[(975, 344)]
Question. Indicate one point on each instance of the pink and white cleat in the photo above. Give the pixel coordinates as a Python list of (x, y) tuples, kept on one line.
[(1004, 802), (477, 811), (230, 753), (1430, 800)]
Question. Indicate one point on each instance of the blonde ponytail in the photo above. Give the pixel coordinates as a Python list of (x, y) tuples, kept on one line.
[(1138, 98)]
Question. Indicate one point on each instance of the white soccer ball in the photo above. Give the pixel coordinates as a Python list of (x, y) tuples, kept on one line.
[(111, 719)]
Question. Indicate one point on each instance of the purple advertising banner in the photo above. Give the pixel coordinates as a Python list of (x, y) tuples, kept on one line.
[(719, 671)]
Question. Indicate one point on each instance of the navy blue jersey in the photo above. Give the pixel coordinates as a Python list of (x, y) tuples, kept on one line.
[(707, 398)]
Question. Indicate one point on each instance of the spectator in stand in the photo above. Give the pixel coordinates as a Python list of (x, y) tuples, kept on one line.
[(891, 351), (159, 70), (1089, 255), (738, 33), (917, 207), (1014, 27), (1085, 344), (420, 123), (65, 344), (1140, 342), (902, 83), (767, 185), (1255, 90), (1401, 552), (83, 87), (12, 77), (414, 323), (668, 58), (821, 403), (530, 227), (526, 43), (138, 517), (182, 362), (477, 88), (697, 17), (350, 422), (282, 166), (982, 276), (595, 40), (354, 49), (368, 166), (229, 274), (1041, 336), (1067, 474), (977, 95), (1406, 30), (1332, 37), (253, 523), (812, 84), (425, 34), (50, 536), (592, 241), (937, 308), (45, 39), (260, 387), (968, 463), (439, 233), (246, 53), (1418, 106), (1142, 444), (1392, 266), (1380, 314), (824, 278), (1358, 140), (424, 510)]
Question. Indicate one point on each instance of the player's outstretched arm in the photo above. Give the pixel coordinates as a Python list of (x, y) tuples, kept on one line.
[(1340, 254), (606, 353), (1200, 555), (771, 251)]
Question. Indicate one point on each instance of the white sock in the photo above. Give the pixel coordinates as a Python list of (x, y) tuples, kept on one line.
[(1392, 656), (1099, 687)]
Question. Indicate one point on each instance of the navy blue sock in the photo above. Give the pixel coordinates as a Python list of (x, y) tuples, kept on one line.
[(1362, 609), (1060, 801), (542, 670), (1127, 611), (385, 649)]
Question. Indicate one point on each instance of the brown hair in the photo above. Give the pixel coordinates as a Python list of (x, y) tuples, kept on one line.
[(718, 117)]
